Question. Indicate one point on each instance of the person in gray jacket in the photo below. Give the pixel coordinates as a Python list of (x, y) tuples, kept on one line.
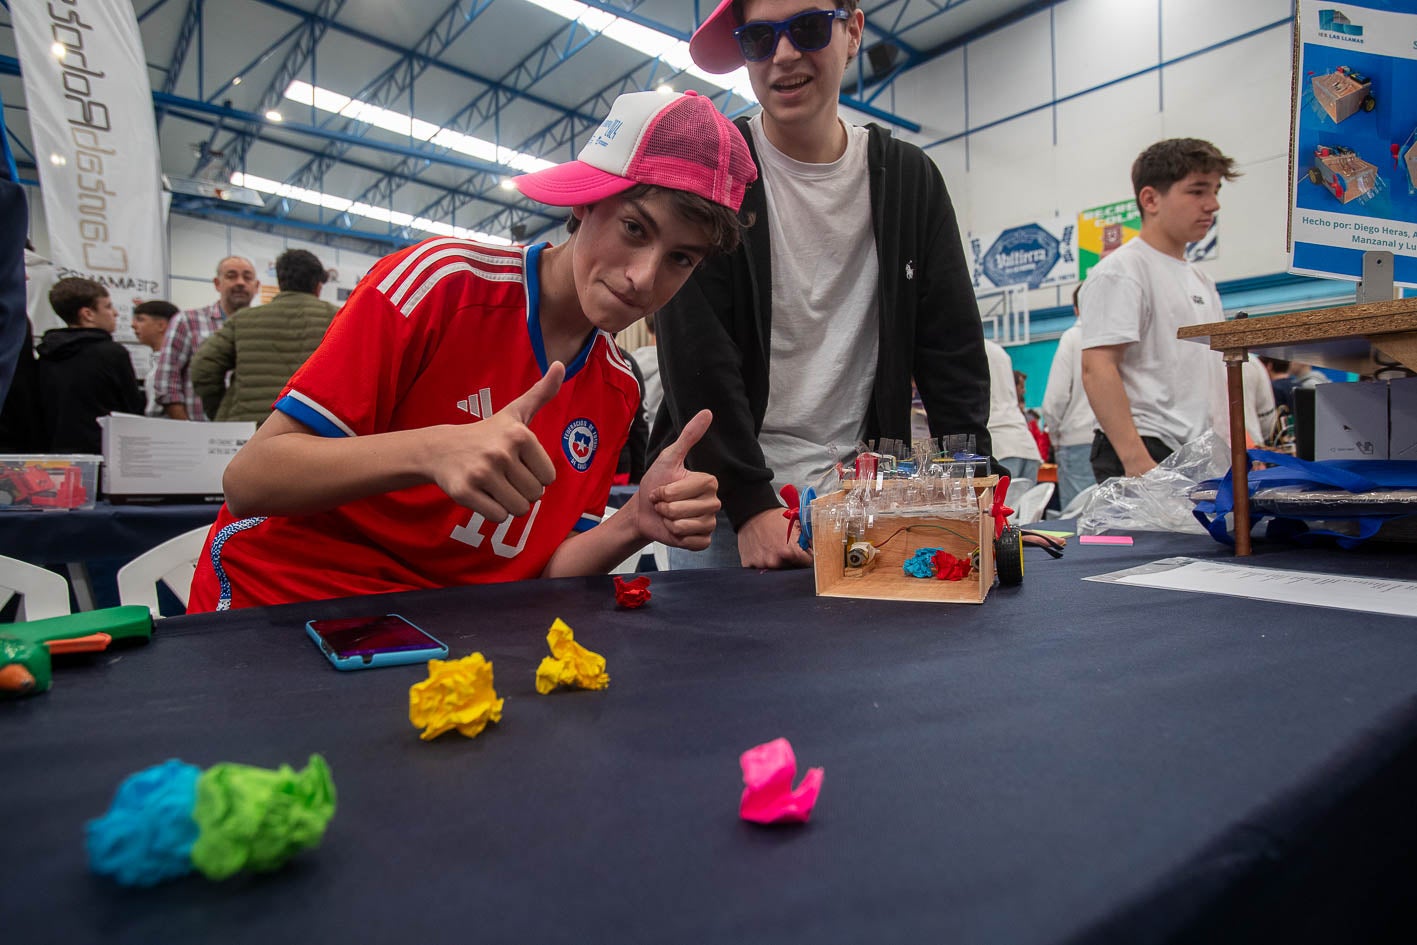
[(262, 347), (851, 282)]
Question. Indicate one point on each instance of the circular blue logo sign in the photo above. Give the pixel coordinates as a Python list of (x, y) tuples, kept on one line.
[(579, 442)]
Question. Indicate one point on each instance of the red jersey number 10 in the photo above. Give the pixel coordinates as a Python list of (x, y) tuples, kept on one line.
[(471, 533)]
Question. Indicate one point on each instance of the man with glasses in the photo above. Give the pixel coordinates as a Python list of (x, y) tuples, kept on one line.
[(851, 281)]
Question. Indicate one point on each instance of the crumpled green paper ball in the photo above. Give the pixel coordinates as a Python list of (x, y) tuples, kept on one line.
[(256, 818)]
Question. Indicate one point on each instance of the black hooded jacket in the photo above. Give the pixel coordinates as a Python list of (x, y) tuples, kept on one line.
[(714, 337), (83, 375)]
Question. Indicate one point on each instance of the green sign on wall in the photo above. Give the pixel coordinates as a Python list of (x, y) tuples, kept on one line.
[(1103, 229)]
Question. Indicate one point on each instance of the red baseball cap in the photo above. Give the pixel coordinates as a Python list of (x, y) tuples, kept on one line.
[(713, 46), (676, 141)]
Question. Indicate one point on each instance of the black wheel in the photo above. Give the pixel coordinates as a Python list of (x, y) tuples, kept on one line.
[(1008, 556), (1369, 103), (1314, 175)]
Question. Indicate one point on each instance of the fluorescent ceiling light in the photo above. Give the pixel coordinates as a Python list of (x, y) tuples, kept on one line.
[(345, 205), (650, 42), (409, 127)]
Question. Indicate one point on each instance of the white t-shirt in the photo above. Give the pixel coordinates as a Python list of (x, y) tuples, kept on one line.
[(647, 360), (1065, 408), (825, 326), (1259, 402), (1008, 429), (1140, 297)]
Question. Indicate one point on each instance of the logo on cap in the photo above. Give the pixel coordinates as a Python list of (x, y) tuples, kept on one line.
[(606, 132), (578, 442)]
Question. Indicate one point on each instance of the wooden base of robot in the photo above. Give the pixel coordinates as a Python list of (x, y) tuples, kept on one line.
[(884, 577)]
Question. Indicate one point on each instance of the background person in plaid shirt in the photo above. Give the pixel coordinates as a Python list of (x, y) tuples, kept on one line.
[(236, 284)]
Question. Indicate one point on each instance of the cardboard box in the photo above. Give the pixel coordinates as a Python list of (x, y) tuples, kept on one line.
[(1351, 421), (897, 535), (152, 456), (30, 482)]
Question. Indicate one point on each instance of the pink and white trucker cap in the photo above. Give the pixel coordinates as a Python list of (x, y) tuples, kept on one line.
[(677, 141), (713, 47)]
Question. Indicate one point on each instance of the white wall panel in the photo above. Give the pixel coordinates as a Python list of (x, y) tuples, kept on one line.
[(196, 246), (1011, 173), (933, 95), (1188, 25), (352, 266), (1099, 135), (1010, 71), (1251, 125), (1101, 40), (1253, 216)]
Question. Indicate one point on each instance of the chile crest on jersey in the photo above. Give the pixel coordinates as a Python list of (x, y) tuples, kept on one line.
[(579, 442)]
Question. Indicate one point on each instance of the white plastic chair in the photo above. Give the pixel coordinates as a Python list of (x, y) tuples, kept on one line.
[(1018, 488), (1075, 506), (631, 565), (43, 594), (1032, 503), (173, 563)]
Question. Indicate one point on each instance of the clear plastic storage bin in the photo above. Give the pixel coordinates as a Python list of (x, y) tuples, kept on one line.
[(32, 482)]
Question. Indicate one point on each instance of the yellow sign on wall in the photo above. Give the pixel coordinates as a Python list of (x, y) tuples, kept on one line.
[(1103, 229)]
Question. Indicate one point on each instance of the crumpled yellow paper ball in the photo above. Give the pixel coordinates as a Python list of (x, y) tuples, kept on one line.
[(457, 694), (569, 664)]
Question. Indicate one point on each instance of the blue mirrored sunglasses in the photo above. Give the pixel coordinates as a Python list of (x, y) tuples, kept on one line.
[(808, 31)]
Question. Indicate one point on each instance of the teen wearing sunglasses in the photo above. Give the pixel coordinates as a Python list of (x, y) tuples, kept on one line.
[(851, 281)]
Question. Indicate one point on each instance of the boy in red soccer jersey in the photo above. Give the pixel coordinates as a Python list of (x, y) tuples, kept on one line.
[(461, 421)]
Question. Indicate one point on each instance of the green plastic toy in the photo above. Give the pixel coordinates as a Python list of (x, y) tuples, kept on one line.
[(26, 648)]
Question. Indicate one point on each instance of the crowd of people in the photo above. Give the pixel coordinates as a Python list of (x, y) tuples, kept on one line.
[(462, 417), (226, 361)]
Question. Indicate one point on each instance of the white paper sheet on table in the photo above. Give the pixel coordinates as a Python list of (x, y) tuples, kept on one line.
[(1308, 588)]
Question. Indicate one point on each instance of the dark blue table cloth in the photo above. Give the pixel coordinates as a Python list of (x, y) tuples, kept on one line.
[(1067, 762)]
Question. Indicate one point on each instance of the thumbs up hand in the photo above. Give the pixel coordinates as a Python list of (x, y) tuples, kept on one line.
[(675, 505), (496, 466)]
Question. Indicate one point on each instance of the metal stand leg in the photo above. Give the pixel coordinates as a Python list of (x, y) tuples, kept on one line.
[(82, 585), (1239, 458)]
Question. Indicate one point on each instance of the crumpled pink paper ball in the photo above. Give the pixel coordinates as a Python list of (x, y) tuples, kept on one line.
[(768, 795)]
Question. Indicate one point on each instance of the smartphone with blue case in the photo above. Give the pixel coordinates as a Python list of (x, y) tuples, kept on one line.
[(368, 642)]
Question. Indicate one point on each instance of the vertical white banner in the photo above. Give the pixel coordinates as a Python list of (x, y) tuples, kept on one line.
[(95, 141)]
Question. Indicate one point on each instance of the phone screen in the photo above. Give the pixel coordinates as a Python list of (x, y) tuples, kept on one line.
[(362, 636)]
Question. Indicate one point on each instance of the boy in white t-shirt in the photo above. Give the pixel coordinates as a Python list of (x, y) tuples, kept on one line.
[(1068, 414), (1013, 444), (851, 283), (1150, 391)]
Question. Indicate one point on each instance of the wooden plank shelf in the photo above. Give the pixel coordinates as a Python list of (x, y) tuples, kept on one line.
[(1362, 338), (1358, 338)]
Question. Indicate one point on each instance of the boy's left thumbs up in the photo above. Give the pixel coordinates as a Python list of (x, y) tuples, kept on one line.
[(693, 431)]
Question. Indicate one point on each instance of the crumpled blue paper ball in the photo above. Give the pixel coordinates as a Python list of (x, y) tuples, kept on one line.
[(147, 835), (921, 564)]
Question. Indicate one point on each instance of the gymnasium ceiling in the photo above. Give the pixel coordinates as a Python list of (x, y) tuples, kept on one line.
[(272, 89)]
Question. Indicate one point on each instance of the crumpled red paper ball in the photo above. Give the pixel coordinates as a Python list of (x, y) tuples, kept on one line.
[(950, 568), (632, 594)]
